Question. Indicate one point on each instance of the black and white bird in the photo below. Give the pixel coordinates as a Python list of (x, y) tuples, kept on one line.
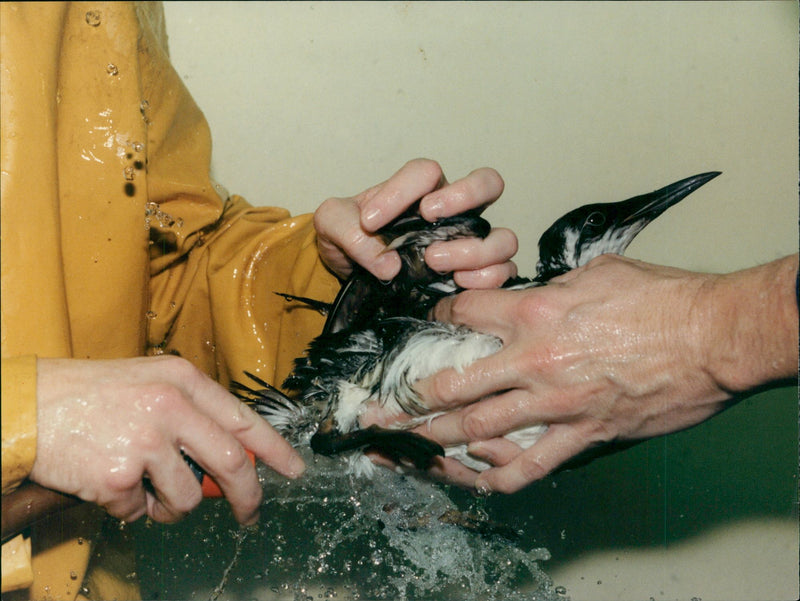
[(377, 341)]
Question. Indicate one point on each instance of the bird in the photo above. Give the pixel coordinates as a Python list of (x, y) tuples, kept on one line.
[(378, 341)]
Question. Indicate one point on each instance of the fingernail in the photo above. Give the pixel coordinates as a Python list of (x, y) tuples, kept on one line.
[(475, 447), (432, 208), (387, 266), (252, 521), (369, 217), (482, 488), (296, 466), (437, 254)]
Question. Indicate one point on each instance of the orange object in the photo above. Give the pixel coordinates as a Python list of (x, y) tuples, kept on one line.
[(211, 489)]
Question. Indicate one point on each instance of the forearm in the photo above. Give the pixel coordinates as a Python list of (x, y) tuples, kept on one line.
[(749, 325)]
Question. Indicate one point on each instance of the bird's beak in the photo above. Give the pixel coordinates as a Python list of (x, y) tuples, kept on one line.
[(649, 206)]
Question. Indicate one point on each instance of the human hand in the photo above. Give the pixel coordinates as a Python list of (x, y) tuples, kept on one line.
[(104, 426), (346, 226), (614, 350)]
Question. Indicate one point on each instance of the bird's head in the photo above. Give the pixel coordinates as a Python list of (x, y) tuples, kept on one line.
[(596, 229)]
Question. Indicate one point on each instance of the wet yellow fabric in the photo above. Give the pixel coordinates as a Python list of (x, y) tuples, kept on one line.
[(18, 419), (116, 242), (16, 563)]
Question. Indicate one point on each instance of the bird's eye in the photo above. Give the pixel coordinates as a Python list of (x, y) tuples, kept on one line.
[(596, 219)]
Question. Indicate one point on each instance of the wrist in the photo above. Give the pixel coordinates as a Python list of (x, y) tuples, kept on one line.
[(748, 325)]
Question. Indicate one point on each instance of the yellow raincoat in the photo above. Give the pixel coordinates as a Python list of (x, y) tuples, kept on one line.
[(116, 243)]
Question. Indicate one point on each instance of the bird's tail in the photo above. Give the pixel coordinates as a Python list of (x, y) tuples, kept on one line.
[(292, 420)]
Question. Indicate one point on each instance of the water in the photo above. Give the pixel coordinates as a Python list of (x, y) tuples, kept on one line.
[(333, 536)]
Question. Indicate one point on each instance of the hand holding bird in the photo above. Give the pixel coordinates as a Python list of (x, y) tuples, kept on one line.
[(347, 227), (379, 357)]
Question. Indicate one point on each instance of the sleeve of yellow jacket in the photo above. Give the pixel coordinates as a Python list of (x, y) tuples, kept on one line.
[(133, 249), (215, 260), (19, 419), (19, 453), (218, 308)]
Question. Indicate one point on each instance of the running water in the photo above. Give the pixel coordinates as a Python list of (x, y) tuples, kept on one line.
[(330, 535)]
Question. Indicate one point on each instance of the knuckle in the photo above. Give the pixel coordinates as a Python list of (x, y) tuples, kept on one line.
[(532, 308), (531, 362), (599, 261), (127, 511), (179, 369), (121, 481), (352, 237), (532, 467), (476, 426), (427, 169), (246, 419), (149, 439), (184, 503), (159, 400), (234, 460), (322, 215), (163, 512), (462, 305), (442, 389)]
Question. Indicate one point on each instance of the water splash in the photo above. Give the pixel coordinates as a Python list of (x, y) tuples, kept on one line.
[(332, 535)]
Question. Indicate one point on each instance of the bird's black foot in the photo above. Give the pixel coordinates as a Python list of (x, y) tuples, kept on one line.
[(400, 446)]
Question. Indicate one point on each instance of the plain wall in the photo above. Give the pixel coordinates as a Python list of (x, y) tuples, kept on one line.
[(571, 103)]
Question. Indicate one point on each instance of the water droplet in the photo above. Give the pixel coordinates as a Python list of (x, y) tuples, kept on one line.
[(73, 575), (143, 106), (138, 146), (93, 18), (130, 173), (561, 590), (112, 69), (151, 315)]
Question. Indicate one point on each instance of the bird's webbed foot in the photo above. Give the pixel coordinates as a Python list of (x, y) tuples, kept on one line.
[(400, 446)]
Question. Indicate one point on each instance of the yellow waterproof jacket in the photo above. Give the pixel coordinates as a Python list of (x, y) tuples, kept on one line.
[(116, 243)]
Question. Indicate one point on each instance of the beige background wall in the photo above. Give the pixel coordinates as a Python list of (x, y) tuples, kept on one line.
[(571, 103)]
